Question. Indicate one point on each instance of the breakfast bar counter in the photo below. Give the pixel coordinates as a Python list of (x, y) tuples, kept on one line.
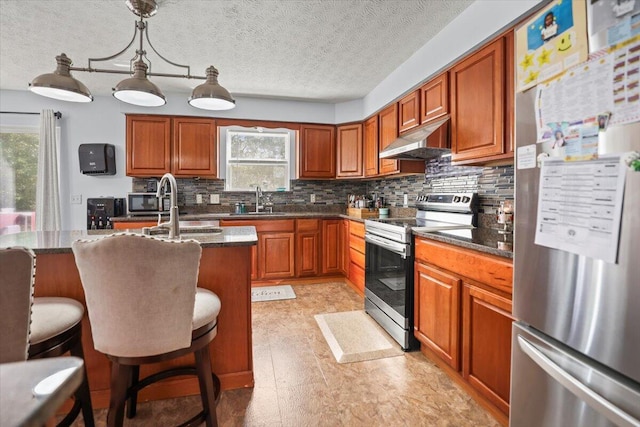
[(225, 268)]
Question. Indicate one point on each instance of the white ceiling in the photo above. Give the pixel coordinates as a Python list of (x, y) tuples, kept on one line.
[(316, 50)]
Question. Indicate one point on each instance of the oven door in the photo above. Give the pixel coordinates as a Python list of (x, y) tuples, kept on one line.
[(389, 287)]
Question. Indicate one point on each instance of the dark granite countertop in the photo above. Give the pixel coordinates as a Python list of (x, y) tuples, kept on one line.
[(480, 239), (60, 241)]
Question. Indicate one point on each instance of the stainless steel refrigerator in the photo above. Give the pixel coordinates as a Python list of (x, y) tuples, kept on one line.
[(576, 341)]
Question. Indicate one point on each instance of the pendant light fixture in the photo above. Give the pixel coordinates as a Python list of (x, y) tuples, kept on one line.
[(137, 89)]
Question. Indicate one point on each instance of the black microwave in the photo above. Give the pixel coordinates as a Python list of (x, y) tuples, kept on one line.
[(147, 204)]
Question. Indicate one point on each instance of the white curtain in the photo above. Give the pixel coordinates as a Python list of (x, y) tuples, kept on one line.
[(47, 191)]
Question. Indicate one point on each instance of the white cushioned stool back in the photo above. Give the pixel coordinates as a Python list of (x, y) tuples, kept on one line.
[(17, 270), (140, 292)]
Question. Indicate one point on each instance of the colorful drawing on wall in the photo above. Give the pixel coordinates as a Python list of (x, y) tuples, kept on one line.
[(551, 42)]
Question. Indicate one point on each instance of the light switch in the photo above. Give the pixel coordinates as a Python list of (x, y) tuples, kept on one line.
[(214, 199), (313, 198), (199, 199)]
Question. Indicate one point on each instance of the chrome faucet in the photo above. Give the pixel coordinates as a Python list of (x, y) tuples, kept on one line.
[(259, 205), (174, 222)]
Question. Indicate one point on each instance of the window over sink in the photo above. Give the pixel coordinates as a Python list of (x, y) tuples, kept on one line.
[(256, 157)]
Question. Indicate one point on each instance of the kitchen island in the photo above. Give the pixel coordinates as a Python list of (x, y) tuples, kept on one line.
[(225, 268)]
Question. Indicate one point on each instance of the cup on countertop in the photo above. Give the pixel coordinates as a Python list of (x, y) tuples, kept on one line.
[(383, 212)]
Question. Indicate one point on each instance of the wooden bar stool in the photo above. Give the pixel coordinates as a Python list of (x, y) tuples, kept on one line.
[(144, 307), (54, 328)]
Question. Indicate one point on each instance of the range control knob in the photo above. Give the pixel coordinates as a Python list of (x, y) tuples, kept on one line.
[(456, 199), (466, 199)]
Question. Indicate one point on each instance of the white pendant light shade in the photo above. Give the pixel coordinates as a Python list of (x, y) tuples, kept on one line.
[(210, 95), (60, 84), (138, 90)]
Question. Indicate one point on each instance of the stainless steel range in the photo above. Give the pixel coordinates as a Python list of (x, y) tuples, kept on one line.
[(389, 258)]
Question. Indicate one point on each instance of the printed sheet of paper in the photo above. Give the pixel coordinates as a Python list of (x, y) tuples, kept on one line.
[(580, 206), (584, 91)]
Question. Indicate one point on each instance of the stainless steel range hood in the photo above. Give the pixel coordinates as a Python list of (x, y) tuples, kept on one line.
[(413, 145)]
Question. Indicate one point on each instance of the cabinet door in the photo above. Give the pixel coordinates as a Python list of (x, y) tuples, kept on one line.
[(486, 353), (276, 255), (349, 148), (409, 111), (509, 111), (194, 147), (317, 154), (477, 104), (344, 243), (437, 312), (148, 145), (388, 133), (434, 98), (331, 248), (371, 160), (307, 255)]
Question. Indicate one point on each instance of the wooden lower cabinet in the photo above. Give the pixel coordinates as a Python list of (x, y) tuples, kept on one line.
[(357, 255), (344, 242), (307, 254), (273, 258), (437, 312), (276, 255), (331, 248), (486, 331), (462, 316), (122, 225)]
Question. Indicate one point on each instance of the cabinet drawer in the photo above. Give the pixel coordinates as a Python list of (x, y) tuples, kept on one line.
[(307, 225), (357, 228), (356, 243), (489, 269), (356, 257), (286, 225)]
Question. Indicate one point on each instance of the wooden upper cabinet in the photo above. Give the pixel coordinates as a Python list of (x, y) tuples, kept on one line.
[(317, 152), (184, 146), (510, 78), (409, 111), (388, 132), (148, 145), (371, 160), (349, 150), (478, 103), (388, 122), (194, 147), (434, 98)]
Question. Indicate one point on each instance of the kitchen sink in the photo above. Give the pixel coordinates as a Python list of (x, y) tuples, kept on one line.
[(185, 229)]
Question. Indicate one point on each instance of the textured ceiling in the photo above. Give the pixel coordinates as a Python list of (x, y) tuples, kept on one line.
[(319, 50)]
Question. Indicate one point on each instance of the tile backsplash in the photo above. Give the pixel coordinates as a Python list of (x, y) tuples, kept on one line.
[(493, 184)]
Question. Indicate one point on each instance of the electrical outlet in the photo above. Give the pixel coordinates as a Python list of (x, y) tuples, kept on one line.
[(214, 199), (199, 199), (76, 199), (313, 198)]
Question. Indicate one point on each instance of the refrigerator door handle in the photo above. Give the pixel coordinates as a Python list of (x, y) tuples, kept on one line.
[(593, 399)]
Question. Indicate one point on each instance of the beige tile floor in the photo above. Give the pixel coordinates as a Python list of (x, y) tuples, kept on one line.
[(299, 383)]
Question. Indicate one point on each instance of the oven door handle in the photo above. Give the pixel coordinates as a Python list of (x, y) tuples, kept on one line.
[(398, 248)]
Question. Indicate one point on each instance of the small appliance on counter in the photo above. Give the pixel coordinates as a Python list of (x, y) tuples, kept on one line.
[(147, 204), (100, 211)]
